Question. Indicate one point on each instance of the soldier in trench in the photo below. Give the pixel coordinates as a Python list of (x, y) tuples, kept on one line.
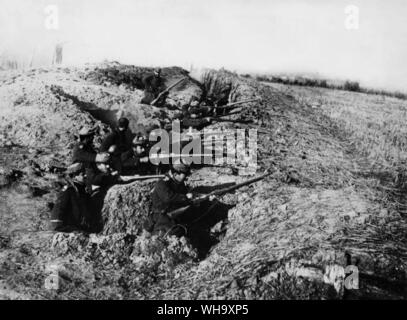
[(97, 186), (171, 193), (118, 144), (192, 117), (70, 208), (80, 202), (138, 162), (153, 85), (201, 109)]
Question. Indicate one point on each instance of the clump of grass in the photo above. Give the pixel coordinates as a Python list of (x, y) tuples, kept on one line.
[(351, 86)]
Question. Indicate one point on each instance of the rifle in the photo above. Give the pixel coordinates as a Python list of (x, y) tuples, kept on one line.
[(200, 133), (179, 155), (232, 104), (138, 177), (207, 135), (203, 138), (223, 119), (203, 157), (179, 211), (200, 126), (166, 91)]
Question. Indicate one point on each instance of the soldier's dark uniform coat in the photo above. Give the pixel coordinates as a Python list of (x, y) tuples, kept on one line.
[(123, 142), (96, 197), (71, 205), (86, 155), (167, 195), (153, 85), (122, 139), (69, 208), (83, 153), (132, 165)]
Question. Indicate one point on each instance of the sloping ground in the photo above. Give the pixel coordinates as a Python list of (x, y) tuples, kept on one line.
[(289, 236)]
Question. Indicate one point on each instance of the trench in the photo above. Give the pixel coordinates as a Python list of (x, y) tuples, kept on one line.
[(108, 117), (211, 223), (31, 214), (200, 233)]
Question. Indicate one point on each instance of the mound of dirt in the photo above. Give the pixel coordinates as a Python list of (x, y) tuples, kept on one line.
[(222, 87), (131, 77), (46, 265), (126, 207)]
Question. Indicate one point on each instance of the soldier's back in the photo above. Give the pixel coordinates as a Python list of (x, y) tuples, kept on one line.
[(83, 153), (166, 194)]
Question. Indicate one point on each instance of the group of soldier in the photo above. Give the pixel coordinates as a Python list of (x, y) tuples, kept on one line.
[(122, 158), (193, 114), (92, 173)]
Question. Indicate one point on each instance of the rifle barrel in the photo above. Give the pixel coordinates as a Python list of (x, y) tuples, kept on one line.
[(178, 211), (178, 155), (239, 185), (222, 119), (167, 90), (174, 84), (235, 103), (145, 177)]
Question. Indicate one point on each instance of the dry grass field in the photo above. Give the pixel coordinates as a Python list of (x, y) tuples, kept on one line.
[(376, 124)]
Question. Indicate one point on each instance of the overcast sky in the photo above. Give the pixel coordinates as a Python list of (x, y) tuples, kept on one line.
[(241, 35)]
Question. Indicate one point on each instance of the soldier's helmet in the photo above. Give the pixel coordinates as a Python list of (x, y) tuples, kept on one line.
[(123, 123), (86, 131), (181, 167)]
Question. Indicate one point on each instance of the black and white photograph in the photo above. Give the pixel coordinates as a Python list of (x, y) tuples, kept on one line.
[(218, 152)]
